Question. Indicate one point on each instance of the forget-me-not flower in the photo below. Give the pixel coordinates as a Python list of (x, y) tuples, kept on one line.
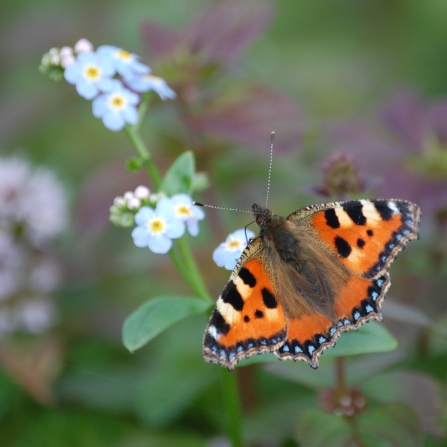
[(91, 73), (156, 228), (117, 107), (228, 252), (188, 213), (148, 82), (126, 64)]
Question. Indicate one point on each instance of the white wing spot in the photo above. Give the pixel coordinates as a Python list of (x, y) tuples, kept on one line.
[(392, 206), (370, 212), (212, 330)]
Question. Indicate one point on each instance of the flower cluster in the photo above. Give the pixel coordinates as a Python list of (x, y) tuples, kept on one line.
[(32, 213), (228, 252), (109, 76), (124, 208), (159, 218)]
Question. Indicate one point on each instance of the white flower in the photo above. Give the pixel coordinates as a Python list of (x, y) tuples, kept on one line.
[(117, 107), (10, 264), (228, 252), (150, 82), (126, 64), (35, 315), (187, 212), (91, 74), (46, 276), (156, 228), (34, 199)]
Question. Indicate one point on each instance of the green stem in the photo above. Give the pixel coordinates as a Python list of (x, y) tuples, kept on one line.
[(231, 405), (143, 152), (183, 270), (192, 268), (143, 108)]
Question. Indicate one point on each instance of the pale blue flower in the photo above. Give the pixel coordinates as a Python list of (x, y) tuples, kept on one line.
[(117, 107), (126, 64), (188, 213), (149, 82), (156, 228), (91, 73), (228, 252)]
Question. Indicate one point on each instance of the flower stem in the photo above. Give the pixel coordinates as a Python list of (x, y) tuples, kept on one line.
[(192, 268), (231, 405), (143, 152)]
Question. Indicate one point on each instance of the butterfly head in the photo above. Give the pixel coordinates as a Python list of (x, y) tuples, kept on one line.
[(262, 215)]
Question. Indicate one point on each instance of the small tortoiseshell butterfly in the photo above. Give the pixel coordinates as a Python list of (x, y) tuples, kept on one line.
[(308, 277)]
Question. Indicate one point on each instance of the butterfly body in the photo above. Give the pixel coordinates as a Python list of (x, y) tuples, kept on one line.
[(308, 277)]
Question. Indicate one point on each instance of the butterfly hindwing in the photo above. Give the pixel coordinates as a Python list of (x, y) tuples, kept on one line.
[(358, 302), (248, 318), (365, 235)]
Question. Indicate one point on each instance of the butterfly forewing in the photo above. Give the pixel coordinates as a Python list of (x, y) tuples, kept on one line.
[(248, 318), (365, 235)]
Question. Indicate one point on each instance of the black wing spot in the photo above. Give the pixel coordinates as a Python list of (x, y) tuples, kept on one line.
[(219, 322), (385, 212), (259, 313), (370, 233), (246, 318), (247, 277), (269, 299), (331, 218), (231, 296), (354, 211), (343, 247), (360, 243)]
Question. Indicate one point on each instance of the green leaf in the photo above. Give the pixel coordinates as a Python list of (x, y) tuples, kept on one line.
[(371, 337), (179, 177), (200, 182), (417, 390), (392, 425), (319, 429), (157, 315), (388, 426)]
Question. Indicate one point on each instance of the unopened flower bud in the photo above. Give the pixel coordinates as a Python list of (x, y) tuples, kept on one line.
[(141, 192), (83, 46)]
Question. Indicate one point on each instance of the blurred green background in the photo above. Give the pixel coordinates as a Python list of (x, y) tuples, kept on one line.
[(335, 64)]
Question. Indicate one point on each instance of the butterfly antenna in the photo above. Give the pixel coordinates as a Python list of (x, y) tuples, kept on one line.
[(221, 208), (272, 140)]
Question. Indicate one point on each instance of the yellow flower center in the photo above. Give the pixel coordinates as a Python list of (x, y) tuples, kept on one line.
[(234, 244), (156, 226), (117, 102), (183, 210), (123, 54), (92, 72)]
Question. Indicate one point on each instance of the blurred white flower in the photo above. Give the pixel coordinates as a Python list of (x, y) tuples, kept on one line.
[(46, 276), (33, 199), (10, 263), (35, 315)]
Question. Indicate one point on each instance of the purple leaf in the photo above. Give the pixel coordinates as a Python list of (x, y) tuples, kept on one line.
[(252, 114)]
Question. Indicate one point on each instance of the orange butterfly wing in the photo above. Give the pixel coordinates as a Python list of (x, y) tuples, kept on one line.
[(248, 318), (365, 236)]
